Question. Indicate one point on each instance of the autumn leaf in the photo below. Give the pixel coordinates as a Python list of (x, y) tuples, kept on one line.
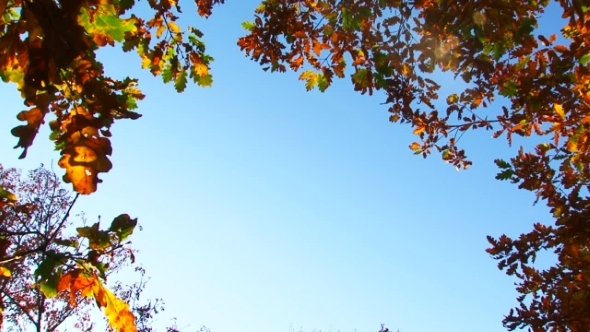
[(180, 82), (311, 79), (117, 311), (48, 262), (105, 24), (77, 281), (7, 196), (5, 272), (85, 153), (123, 226), (248, 25), (97, 239), (559, 110), (452, 99), (87, 284), (49, 286), (173, 27), (419, 130)]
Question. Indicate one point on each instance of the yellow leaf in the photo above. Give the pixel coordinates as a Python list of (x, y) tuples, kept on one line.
[(200, 69), (419, 130), (160, 31), (559, 110), (173, 27), (145, 62), (117, 311), (452, 99), (415, 146)]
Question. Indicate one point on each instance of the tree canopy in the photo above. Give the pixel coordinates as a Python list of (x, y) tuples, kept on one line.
[(48, 50)]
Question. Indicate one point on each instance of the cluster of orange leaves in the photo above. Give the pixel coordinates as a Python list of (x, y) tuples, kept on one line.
[(88, 284), (400, 47)]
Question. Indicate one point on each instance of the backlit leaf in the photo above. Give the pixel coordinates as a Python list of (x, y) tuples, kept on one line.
[(248, 25), (117, 311), (180, 82), (5, 272)]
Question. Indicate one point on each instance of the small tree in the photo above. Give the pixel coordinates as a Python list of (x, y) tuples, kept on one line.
[(40, 257)]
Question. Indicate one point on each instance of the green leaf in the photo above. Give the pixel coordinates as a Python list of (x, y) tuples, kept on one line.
[(323, 83), (55, 134), (248, 25), (123, 226), (360, 77), (584, 59), (505, 175), (14, 75), (49, 286), (349, 22), (7, 195), (60, 145), (167, 73), (107, 23), (51, 261), (180, 82), (205, 80), (97, 239), (87, 231), (502, 163), (509, 89), (527, 25)]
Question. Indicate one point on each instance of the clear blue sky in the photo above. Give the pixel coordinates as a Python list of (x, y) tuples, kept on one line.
[(265, 206)]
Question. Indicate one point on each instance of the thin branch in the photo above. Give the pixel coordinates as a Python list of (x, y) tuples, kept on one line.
[(25, 312), (63, 220)]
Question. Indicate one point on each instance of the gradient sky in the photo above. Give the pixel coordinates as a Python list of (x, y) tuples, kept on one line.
[(267, 207)]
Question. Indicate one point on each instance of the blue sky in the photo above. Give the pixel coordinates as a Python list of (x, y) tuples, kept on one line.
[(265, 206)]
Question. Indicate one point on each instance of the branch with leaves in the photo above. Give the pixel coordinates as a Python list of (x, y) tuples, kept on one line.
[(48, 275), (395, 47)]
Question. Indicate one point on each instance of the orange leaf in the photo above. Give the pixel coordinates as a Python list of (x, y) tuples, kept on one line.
[(75, 281), (419, 130)]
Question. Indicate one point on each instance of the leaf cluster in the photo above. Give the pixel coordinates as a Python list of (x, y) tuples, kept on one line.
[(40, 263), (48, 49), (397, 47)]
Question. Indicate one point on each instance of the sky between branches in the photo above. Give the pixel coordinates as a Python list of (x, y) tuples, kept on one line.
[(265, 206)]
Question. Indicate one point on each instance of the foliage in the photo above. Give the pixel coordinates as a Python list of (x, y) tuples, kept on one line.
[(49, 52), (49, 275), (398, 46), (392, 46)]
